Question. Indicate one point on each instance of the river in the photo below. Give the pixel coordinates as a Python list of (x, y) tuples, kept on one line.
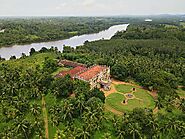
[(17, 50)]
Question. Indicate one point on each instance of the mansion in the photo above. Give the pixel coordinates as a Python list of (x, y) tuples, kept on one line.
[(98, 76)]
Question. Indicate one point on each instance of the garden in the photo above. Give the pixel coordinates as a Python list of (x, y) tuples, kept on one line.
[(127, 97)]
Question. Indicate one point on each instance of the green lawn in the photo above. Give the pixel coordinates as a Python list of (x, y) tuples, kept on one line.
[(148, 100), (114, 100), (59, 70), (32, 61), (124, 88), (135, 103)]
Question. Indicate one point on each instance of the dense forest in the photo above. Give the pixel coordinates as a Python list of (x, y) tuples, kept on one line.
[(28, 30), (23, 30), (151, 54), (154, 31), (143, 59), (28, 85), (30, 92)]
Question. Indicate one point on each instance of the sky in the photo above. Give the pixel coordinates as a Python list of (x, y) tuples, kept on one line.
[(90, 7)]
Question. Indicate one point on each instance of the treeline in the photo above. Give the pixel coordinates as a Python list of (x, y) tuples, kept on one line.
[(28, 30), (153, 31), (158, 64), (74, 110), (134, 125), (21, 91), (21, 116), (38, 29)]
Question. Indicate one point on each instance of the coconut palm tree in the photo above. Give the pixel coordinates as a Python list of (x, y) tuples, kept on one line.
[(182, 105), (8, 134), (83, 133), (154, 128), (107, 136), (68, 110), (121, 134), (80, 103), (59, 135), (159, 103), (55, 112), (22, 127), (39, 127), (35, 109), (135, 130), (115, 122)]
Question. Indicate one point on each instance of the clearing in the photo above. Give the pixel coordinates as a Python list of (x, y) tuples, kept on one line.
[(124, 97)]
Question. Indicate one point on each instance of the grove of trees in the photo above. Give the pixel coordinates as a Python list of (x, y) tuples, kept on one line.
[(74, 111)]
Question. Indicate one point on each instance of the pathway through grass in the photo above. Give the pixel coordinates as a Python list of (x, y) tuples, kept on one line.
[(116, 96), (45, 115)]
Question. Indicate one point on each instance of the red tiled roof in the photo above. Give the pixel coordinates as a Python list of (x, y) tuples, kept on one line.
[(90, 73), (71, 63), (72, 72)]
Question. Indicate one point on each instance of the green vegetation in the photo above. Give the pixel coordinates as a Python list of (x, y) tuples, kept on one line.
[(181, 92), (29, 30), (32, 61), (143, 53), (150, 54), (67, 114), (59, 69), (182, 24), (155, 63), (148, 31), (23, 86), (124, 88), (115, 101), (143, 99)]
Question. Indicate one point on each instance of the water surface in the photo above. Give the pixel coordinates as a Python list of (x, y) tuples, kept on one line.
[(17, 50)]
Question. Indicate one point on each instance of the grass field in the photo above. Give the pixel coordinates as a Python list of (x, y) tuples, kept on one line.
[(124, 88), (59, 70), (114, 100), (50, 101), (32, 61)]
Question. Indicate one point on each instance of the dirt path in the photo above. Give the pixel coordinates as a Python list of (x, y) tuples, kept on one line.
[(152, 93), (155, 110), (113, 90), (181, 86), (126, 83), (45, 115), (107, 107)]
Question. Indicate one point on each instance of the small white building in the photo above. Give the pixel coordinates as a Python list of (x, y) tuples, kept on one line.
[(2, 31)]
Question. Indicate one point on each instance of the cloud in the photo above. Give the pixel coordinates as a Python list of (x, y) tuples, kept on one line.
[(89, 3), (90, 7), (61, 6)]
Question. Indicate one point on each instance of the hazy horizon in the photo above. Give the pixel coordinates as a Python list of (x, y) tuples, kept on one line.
[(183, 14), (91, 7)]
